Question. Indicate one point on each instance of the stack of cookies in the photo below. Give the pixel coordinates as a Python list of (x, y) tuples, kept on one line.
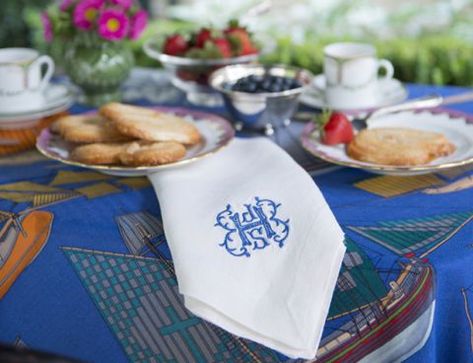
[(127, 135)]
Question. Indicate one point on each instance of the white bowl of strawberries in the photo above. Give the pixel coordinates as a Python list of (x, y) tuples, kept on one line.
[(193, 57)]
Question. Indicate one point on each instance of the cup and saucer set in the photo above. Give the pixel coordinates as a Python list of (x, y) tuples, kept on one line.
[(26, 94), (351, 80)]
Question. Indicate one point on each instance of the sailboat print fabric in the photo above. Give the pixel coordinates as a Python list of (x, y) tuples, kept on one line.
[(256, 249), (86, 272)]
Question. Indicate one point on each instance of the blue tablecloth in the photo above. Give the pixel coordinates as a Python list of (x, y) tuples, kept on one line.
[(85, 270)]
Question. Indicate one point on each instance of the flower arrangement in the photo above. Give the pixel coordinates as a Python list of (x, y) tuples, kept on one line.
[(111, 20), (90, 40)]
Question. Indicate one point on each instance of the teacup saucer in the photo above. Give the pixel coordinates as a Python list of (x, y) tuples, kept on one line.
[(57, 98), (391, 92)]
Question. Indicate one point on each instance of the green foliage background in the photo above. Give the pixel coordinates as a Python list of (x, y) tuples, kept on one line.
[(16, 29)]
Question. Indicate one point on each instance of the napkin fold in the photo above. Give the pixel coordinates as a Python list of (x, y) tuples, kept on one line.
[(256, 249)]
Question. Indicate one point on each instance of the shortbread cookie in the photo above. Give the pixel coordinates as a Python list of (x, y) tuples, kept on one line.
[(399, 146), (87, 129), (99, 153), (147, 124), (57, 125), (156, 153)]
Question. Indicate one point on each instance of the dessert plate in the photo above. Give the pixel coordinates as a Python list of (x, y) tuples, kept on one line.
[(456, 127), (57, 99), (391, 91), (216, 133)]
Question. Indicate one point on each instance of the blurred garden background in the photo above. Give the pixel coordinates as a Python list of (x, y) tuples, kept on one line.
[(428, 41)]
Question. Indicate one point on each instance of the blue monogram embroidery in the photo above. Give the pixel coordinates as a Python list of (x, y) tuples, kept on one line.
[(254, 228)]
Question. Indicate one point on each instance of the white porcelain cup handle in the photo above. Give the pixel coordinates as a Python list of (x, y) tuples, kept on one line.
[(388, 67), (48, 61)]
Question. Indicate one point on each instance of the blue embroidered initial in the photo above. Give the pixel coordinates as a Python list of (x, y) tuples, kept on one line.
[(254, 228)]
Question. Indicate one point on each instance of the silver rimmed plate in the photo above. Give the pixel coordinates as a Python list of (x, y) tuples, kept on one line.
[(391, 91), (216, 133), (57, 97), (456, 127)]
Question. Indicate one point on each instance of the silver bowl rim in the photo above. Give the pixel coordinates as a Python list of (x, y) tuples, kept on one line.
[(215, 84), (150, 47)]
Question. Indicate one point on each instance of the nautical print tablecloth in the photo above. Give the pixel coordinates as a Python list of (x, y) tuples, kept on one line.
[(85, 270)]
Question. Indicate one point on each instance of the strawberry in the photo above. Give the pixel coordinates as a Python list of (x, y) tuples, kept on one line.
[(175, 45), (241, 40), (202, 36), (232, 24), (336, 129), (223, 46)]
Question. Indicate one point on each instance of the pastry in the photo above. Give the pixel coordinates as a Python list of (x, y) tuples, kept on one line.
[(87, 129), (155, 153), (398, 146), (99, 153), (147, 124)]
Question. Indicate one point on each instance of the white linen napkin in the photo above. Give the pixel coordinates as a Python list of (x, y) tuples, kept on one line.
[(256, 249)]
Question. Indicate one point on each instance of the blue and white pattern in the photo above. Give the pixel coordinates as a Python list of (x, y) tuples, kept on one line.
[(254, 228)]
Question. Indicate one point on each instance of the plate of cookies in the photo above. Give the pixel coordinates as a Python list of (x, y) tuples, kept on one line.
[(403, 143), (126, 140)]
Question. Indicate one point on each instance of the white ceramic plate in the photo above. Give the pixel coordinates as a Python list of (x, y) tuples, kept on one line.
[(58, 98), (458, 128), (216, 133), (391, 92)]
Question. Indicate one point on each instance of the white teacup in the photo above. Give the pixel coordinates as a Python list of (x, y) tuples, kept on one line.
[(351, 75), (21, 80)]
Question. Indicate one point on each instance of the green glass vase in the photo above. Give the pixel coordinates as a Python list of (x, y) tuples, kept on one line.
[(98, 67)]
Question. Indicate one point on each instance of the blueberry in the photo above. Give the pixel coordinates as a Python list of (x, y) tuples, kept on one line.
[(287, 82), (278, 80), (251, 87), (254, 78), (238, 87), (259, 87), (266, 85), (295, 83), (258, 79), (263, 83)]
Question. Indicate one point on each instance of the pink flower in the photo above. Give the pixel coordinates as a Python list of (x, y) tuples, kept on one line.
[(47, 27), (86, 12), (123, 3), (113, 24), (65, 5), (138, 24)]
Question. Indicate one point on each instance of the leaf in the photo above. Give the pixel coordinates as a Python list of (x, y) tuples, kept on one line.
[(321, 119)]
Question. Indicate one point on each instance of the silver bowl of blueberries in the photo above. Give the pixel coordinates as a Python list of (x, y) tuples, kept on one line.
[(260, 97)]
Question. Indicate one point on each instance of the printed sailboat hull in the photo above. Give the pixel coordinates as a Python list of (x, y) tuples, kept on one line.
[(411, 339), (405, 313), (24, 244)]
